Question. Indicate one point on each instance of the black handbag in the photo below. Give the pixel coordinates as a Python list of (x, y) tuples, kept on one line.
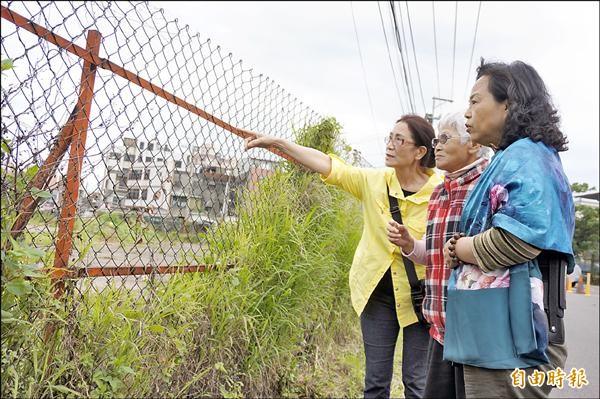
[(417, 287)]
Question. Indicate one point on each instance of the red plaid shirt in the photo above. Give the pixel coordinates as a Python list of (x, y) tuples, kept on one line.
[(443, 218)]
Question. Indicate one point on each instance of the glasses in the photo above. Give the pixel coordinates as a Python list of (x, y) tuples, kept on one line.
[(442, 139), (398, 141)]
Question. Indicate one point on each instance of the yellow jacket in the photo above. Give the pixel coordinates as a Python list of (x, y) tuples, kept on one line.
[(375, 254)]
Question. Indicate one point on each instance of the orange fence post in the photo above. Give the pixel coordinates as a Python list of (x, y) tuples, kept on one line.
[(28, 205), (77, 152), (73, 134)]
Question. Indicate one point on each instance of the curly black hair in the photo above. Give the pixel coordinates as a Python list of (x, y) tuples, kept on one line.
[(530, 109)]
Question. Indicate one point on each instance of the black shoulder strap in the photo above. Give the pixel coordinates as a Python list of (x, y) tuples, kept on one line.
[(553, 268), (408, 264)]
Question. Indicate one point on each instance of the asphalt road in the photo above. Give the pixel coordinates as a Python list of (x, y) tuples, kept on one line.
[(582, 328)]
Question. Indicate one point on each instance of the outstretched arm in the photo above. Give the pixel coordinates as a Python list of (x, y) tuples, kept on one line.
[(312, 159)]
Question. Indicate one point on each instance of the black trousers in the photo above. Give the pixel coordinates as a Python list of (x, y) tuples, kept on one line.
[(380, 329), (444, 379)]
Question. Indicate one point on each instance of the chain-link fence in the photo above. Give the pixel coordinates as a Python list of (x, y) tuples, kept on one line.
[(149, 113)]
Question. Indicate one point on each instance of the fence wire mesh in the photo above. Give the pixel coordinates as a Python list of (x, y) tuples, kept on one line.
[(155, 178)]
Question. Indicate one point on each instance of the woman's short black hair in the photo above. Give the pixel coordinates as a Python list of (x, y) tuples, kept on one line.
[(530, 109), (422, 133)]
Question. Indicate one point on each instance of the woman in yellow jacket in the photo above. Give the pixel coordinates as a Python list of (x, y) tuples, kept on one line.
[(379, 286)]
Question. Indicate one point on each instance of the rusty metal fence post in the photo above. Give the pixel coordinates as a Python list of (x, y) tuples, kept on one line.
[(77, 152), (166, 139)]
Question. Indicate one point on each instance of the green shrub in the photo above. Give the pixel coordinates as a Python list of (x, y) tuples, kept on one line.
[(274, 306)]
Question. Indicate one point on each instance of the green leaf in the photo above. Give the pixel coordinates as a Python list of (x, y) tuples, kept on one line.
[(115, 383), (17, 321), (33, 273), (34, 252), (133, 314), (156, 328), (5, 146), (6, 315), (18, 287), (9, 264), (219, 366), (37, 193), (31, 172), (65, 390), (35, 267), (26, 250), (7, 64), (126, 370), (101, 384)]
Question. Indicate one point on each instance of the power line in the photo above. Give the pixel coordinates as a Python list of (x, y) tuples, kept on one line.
[(415, 55), (437, 69), (472, 50), (399, 42), (400, 56), (390, 58), (406, 50), (454, 49), (400, 60), (363, 70)]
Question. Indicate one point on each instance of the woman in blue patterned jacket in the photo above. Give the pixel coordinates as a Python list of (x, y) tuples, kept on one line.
[(505, 299)]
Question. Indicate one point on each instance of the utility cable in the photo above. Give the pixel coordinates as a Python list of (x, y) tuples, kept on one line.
[(454, 49), (399, 42), (364, 72), (472, 50), (390, 58), (415, 56), (406, 50), (437, 69)]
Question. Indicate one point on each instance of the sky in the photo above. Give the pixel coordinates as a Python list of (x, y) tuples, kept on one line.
[(333, 57)]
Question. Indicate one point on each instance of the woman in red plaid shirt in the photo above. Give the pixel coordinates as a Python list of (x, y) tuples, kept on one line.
[(463, 161)]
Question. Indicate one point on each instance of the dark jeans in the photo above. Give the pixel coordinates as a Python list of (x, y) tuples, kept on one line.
[(380, 329), (444, 379)]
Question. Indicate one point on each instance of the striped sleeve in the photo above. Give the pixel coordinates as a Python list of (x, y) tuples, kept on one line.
[(497, 248)]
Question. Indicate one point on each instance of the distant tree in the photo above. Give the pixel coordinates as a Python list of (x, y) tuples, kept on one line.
[(586, 237), (586, 230), (581, 187)]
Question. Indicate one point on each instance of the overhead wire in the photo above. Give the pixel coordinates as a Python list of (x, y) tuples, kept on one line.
[(415, 56), (472, 50), (437, 69), (399, 43), (406, 51), (390, 58), (363, 70), (400, 61), (454, 49)]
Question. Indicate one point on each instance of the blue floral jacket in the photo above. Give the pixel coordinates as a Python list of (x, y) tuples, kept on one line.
[(496, 320)]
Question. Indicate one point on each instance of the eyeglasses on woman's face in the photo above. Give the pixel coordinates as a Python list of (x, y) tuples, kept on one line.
[(442, 139), (397, 141)]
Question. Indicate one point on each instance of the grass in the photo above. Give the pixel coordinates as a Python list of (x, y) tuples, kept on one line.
[(111, 226), (277, 323)]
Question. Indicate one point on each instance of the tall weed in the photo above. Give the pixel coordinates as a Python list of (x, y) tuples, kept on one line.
[(273, 307)]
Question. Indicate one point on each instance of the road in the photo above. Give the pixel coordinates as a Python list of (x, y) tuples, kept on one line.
[(581, 323)]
